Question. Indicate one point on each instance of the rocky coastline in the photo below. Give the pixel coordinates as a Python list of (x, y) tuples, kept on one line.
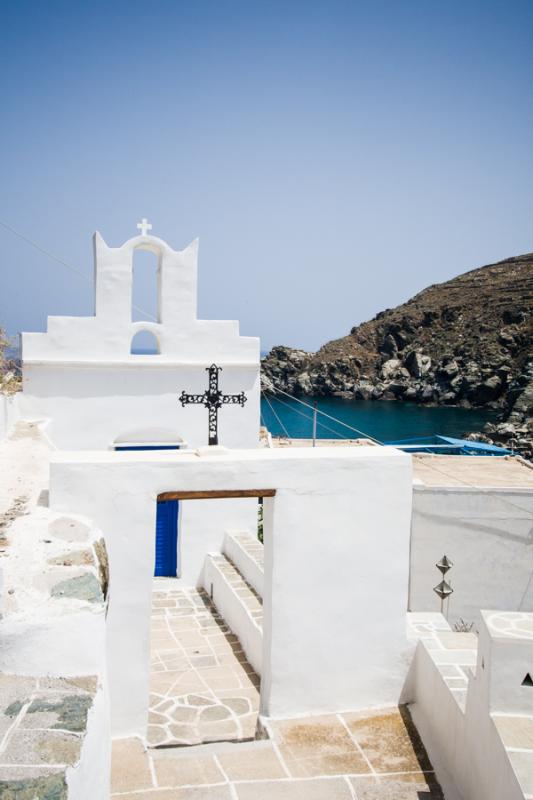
[(466, 342)]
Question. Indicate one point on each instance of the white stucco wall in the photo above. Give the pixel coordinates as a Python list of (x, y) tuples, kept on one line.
[(464, 745), (89, 779), (9, 412), (202, 525), (81, 375), (487, 535), (89, 406), (336, 566)]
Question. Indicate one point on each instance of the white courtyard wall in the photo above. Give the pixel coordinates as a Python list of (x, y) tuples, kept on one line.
[(336, 567), (487, 535)]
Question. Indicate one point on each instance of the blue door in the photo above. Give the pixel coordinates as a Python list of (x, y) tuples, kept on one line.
[(166, 538)]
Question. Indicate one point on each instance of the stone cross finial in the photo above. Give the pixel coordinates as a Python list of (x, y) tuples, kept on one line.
[(144, 226)]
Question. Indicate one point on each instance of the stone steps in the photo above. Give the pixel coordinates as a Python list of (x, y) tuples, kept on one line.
[(238, 603), (246, 554)]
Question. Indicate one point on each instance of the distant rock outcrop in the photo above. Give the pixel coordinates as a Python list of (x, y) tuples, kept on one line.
[(465, 342), (10, 380)]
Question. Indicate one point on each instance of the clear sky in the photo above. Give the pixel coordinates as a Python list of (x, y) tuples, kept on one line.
[(333, 157)]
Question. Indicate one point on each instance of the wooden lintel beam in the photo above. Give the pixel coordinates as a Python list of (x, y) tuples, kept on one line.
[(216, 494)]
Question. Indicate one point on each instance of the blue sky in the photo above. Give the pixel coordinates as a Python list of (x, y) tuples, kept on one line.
[(333, 157)]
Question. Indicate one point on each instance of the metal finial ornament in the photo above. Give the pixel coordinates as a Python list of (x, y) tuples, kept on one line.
[(443, 589), (213, 399), (444, 564)]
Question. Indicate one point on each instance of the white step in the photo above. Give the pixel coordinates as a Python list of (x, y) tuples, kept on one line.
[(247, 553), (237, 603)]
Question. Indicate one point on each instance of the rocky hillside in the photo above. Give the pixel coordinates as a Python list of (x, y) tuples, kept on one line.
[(464, 342)]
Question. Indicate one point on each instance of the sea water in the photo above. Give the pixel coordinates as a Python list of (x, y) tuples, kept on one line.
[(381, 419)]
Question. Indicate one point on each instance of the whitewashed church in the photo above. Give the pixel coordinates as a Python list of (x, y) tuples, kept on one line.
[(190, 612)]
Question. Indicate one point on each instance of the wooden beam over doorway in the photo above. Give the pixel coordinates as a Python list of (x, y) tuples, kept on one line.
[(216, 494)]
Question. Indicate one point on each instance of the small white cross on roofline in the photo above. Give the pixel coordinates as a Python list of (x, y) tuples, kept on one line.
[(144, 226)]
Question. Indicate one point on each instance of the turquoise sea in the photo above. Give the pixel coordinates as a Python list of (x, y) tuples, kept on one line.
[(383, 420)]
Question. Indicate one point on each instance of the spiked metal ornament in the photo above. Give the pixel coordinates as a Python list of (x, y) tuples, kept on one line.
[(444, 564), (443, 590)]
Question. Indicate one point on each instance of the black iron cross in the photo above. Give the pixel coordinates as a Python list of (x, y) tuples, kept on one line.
[(213, 399)]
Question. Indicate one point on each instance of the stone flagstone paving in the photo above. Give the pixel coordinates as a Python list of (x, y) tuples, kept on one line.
[(202, 689), (373, 755), (205, 694)]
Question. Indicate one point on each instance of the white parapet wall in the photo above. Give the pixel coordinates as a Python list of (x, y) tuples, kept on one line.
[(471, 705), (222, 583), (336, 566), (486, 527)]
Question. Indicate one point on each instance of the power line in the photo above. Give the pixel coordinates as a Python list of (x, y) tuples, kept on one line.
[(64, 263), (334, 419), (282, 426), (295, 410)]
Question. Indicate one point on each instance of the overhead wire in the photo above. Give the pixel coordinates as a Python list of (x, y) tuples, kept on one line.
[(305, 416), (280, 423), (66, 264), (334, 419)]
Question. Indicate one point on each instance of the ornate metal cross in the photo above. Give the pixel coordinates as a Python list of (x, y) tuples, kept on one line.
[(213, 399)]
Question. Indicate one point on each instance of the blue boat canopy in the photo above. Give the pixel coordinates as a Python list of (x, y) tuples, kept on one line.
[(449, 445)]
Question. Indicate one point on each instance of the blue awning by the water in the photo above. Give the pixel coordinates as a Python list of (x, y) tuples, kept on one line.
[(449, 445), (483, 447)]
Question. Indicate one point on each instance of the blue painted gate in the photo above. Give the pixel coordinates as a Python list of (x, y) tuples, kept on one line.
[(166, 538)]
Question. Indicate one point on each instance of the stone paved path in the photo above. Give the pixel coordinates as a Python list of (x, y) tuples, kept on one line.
[(373, 755), (202, 689)]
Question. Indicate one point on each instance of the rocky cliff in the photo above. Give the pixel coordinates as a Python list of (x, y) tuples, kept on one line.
[(464, 342)]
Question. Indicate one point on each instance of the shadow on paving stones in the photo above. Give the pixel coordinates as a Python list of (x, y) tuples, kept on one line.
[(435, 791)]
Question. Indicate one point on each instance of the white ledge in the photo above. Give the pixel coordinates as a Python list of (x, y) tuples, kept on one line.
[(154, 362)]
